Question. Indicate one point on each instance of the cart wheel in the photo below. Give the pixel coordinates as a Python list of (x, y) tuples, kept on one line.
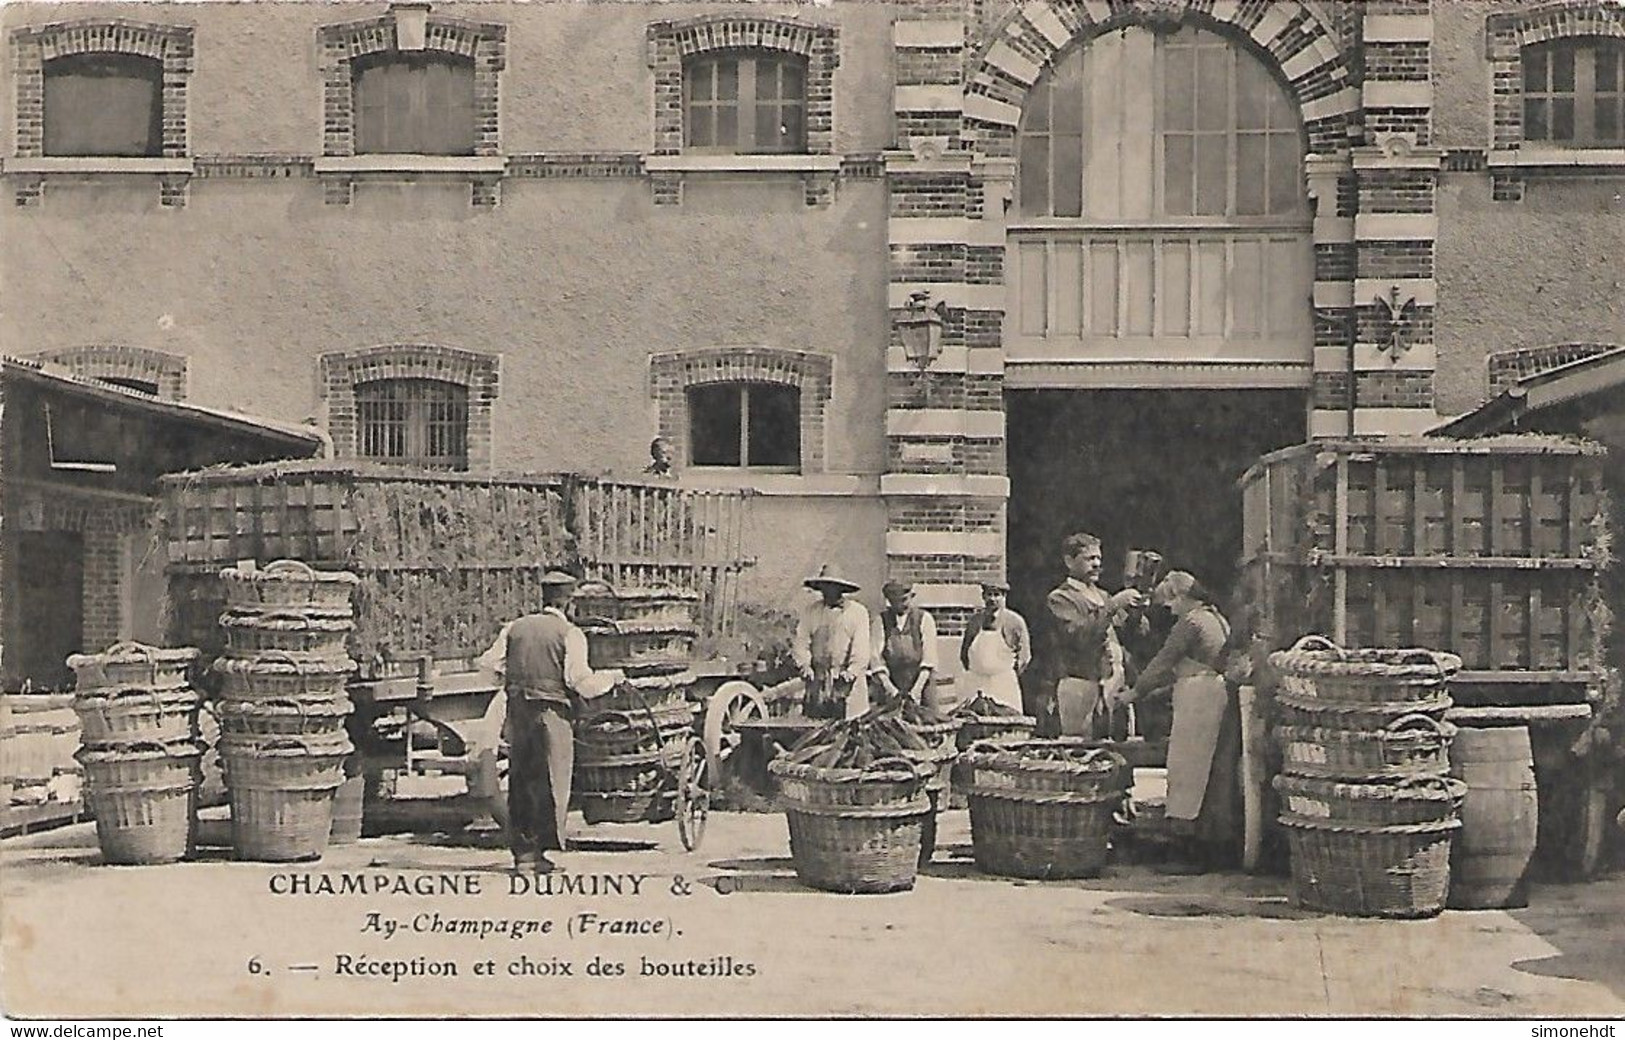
[(733, 703), (693, 795)]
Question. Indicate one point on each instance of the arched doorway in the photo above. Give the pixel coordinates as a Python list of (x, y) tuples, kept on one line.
[(1159, 325)]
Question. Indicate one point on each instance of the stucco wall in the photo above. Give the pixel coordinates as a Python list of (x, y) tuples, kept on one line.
[(577, 78), (1461, 73), (1546, 270), (791, 537)]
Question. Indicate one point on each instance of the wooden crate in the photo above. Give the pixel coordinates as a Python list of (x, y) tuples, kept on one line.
[(1491, 549), (444, 558)]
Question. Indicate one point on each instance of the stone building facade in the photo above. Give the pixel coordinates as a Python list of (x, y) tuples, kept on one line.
[(644, 204)]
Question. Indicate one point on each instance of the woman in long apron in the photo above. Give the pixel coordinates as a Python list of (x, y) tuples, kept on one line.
[(1204, 747)]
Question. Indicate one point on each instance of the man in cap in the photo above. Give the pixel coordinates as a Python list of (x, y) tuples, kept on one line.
[(903, 650), (831, 648), (542, 658), (1088, 656), (996, 648)]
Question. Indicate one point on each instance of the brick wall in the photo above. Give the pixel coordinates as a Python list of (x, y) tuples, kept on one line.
[(168, 371), (1508, 366)]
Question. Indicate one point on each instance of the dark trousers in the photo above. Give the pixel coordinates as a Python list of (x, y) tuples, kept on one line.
[(541, 754)]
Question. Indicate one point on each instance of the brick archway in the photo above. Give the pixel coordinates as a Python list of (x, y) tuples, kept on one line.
[(952, 176)]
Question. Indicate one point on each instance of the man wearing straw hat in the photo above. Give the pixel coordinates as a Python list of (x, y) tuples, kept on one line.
[(543, 663), (831, 648)]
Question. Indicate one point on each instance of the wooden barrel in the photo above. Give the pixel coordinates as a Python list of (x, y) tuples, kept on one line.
[(1499, 817)]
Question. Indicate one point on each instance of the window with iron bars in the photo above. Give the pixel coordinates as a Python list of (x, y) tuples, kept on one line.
[(413, 422)]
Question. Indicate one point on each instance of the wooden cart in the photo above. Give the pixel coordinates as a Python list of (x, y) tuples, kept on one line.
[(444, 560), (1490, 549)]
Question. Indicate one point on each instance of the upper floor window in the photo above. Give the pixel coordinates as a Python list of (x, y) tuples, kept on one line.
[(104, 103), (741, 101), (751, 425), (416, 103), (1149, 126), (413, 422), (1574, 92)]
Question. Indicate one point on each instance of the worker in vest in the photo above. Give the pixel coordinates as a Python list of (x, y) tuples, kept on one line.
[(904, 653), (996, 648), (544, 667), (831, 649)]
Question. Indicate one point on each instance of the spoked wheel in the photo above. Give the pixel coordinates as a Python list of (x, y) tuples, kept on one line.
[(693, 795), (733, 703)]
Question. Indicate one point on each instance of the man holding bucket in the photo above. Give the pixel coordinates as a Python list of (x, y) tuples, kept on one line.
[(1088, 656), (544, 664), (831, 649)]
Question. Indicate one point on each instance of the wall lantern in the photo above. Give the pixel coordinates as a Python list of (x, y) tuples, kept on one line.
[(920, 327)]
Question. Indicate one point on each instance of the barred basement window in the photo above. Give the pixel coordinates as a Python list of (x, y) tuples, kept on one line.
[(745, 102), (748, 425), (413, 422), (103, 103), (1574, 92), (419, 104)]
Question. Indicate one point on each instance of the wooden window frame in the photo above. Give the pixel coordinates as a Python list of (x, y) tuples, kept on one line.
[(416, 398), (745, 388), (141, 68), (1583, 95), (414, 65), (1296, 220), (746, 103)]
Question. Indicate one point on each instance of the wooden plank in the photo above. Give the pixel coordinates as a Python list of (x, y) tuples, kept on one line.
[(1494, 507), (1496, 657)]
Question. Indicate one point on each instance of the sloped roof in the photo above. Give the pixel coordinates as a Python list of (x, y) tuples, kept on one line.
[(1555, 386), (59, 377)]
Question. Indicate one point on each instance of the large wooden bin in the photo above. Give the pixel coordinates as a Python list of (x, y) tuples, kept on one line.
[(1491, 549)]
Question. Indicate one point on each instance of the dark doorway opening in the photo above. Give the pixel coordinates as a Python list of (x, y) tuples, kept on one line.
[(49, 611), (1142, 469)]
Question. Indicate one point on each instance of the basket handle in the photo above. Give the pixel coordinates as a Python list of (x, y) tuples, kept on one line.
[(1415, 720), (890, 762), (1094, 754), (298, 567), (287, 615), (1314, 642), (1426, 780), (598, 583), (141, 650), (285, 743)]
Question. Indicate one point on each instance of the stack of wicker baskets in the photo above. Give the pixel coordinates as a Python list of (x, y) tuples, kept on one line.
[(283, 707), (629, 742), (1368, 805), (1043, 808), (140, 750), (856, 830)]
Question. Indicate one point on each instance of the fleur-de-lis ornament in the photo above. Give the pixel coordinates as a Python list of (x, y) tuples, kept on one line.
[(1398, 319)]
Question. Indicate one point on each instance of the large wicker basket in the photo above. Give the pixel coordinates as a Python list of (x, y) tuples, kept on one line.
[(133, 664), (855, 830), (629, 788), (611, 733), (279, 675), (1369, 870), (597, 601), (144, 798), (1309, 713), (137, 714), (650, 692), (1410, 745), (1387, 803), (649, 646), (282, 795), (305, 632), (1043, 818), (284, 717), (1318, 670), (288, 584), (1001, 729)]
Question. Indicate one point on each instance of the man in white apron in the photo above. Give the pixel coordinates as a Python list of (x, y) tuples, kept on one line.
[(1088, 657), (996, 649)]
